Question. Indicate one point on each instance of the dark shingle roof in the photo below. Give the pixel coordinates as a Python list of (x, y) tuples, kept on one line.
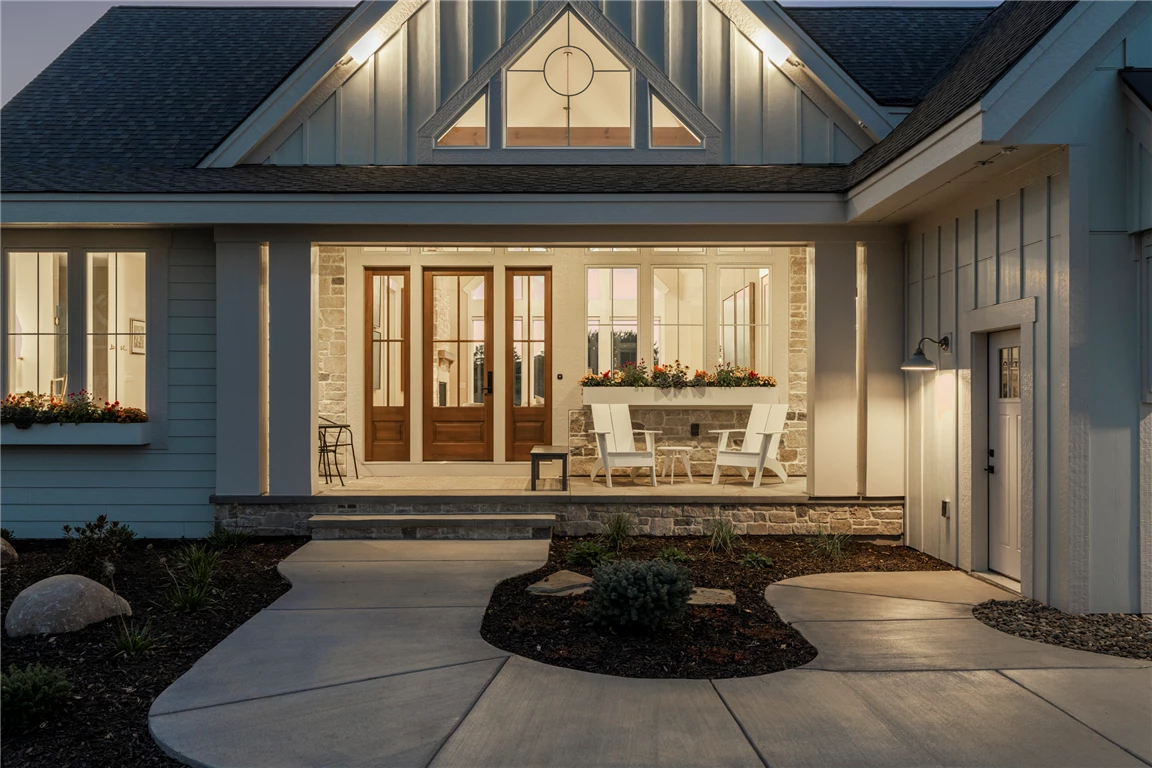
[(144, 94), (1140, 81), (1000, 41), (893, 53), (161, 84)]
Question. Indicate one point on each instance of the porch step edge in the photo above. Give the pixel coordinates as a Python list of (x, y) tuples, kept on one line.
[(432, 521)]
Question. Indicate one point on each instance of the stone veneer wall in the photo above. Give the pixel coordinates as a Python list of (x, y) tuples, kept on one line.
[(794, 445), (579, 519), (332, 338)]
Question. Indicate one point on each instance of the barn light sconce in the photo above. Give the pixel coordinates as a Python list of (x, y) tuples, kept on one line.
[(919, 361)]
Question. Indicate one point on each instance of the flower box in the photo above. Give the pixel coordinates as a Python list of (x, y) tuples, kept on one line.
[(77, 434), (689, 397)]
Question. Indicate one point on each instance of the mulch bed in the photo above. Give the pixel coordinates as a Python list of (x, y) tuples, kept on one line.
[(740, 640), (1116, 634), (106, 721)]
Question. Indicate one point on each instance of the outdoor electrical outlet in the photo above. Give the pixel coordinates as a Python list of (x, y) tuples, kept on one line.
[(695, 430), (944, 508)]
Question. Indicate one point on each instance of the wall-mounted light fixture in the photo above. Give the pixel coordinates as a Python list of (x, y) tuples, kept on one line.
[(919, 361)]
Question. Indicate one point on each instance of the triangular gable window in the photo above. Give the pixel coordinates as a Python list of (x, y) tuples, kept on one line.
[(669, 130), (568, 89), (471, 130)]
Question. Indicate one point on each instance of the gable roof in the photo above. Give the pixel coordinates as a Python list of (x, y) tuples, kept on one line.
[(998, 43), (98, 121), (894, 53), (157, 84)]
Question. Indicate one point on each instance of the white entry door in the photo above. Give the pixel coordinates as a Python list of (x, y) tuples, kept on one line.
[(1004, 453)]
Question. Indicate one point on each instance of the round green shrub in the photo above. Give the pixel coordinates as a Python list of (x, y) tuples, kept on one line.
[(29, 695), (639, 595)]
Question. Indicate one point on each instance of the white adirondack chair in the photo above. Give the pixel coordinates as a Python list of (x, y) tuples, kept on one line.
[(761, 442), (616, 442)]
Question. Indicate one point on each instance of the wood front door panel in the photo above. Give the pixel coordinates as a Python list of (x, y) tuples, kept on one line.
[(458, 365), (1004, 439), (529, 360), (386, 364)]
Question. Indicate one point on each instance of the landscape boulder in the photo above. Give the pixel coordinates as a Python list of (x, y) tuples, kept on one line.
[(7, 553), (62, 603)]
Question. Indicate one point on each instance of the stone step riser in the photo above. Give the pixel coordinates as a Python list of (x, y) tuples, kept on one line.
[(431, 532)]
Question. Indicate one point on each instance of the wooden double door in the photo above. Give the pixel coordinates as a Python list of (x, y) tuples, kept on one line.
[(459, 365)]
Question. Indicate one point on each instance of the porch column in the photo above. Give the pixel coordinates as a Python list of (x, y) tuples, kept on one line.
[(881, 280), (238, 356), (832, 405), (293, 381)]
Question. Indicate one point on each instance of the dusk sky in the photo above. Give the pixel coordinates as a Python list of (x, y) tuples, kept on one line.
[(34, 32)]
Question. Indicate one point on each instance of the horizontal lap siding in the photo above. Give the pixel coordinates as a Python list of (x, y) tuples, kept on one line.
[(158, 492)]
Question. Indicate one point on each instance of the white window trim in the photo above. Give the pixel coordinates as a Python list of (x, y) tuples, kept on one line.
[(156, 317)]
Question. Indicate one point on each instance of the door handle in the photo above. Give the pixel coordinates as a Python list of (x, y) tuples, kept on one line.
[(990, 470), (488, 389)]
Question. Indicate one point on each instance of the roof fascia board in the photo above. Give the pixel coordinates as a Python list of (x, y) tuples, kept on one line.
[(310, 83), (431, 209), (836, 84), (490, 76), (1055, 66), (958, 135)]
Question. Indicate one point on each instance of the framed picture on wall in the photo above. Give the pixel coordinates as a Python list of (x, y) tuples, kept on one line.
[(136, 338)]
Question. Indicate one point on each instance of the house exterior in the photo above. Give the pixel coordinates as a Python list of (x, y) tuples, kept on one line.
[(428, 219)]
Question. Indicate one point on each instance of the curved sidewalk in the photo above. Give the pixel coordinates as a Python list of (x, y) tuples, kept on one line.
[(374, 658)]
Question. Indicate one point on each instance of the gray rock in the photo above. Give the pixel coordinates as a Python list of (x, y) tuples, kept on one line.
[(7, 553), (707, 596), (63, 603), (562, 583)]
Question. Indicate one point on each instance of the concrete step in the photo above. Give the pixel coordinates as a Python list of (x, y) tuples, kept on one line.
[(474, 526)]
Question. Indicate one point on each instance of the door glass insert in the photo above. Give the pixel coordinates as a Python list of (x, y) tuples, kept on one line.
[(528, 341), (1009, 373), (388, 307), (458, 335)]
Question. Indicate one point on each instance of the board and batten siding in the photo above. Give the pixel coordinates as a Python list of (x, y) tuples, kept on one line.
[(373, 118), (158, 490)]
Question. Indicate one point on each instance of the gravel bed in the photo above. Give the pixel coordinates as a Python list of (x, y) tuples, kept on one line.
[(1116, 634)]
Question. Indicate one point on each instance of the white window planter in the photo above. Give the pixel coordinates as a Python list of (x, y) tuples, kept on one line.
[(689, 397), (77, 434)]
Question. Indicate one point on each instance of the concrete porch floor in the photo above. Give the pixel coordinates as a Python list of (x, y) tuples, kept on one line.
[(375, 658), (730, 488)]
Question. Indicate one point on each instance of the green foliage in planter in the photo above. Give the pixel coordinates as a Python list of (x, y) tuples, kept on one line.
[(30, 694), (724, 539), (95, 548), (830, 546), (588, 553), (672, 555), (224, 540), (756, 560), (639, 595), (617, 530)]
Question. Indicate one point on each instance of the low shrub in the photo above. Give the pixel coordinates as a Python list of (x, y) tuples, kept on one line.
[(224, 540), (639, 595), (589, 554), (756, 560), (830, 546), (131, 639), (187, 597), (7, 534), (197, 563), (617, 530), (95, 548), (724, 539), (672, 555), (29, 695)]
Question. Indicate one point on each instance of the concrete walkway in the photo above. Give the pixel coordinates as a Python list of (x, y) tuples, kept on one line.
[(374, 658)]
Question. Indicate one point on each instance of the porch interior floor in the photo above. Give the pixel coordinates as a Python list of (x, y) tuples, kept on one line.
[(729, 488)]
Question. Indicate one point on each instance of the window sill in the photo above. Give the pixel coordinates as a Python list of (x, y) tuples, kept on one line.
[(77, 434), (689, 397)]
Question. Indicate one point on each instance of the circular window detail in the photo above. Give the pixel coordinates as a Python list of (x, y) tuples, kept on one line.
[(568, 71)]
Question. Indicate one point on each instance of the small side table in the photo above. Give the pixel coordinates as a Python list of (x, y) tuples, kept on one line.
[(681, 452), (550, 453)]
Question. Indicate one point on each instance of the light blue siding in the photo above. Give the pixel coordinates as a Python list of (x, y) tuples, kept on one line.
[(159, 490)]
